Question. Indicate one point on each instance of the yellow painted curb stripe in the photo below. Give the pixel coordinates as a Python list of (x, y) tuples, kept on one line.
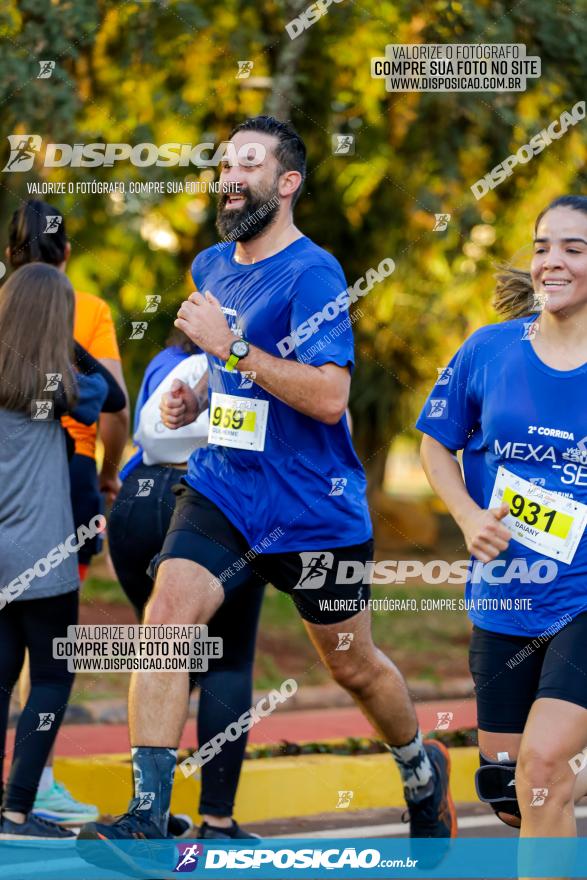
[(270, 788)]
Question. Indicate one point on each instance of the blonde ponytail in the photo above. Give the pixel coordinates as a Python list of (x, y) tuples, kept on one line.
[(514, 294)]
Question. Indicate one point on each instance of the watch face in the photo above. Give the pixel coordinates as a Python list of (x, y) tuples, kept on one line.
[(239, 348)]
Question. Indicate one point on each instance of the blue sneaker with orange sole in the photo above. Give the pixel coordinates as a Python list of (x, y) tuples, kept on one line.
[(131, 844), (434, 816)]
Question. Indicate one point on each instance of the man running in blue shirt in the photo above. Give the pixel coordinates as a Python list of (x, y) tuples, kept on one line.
[(279, 485)]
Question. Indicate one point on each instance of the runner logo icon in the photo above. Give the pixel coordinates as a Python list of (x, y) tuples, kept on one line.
[(46, 720), (344, 800), (441, 222), (41, 410), (338, 484), (438, 408), (23, 148), (146, 799), (444, 719), (530, 330), (444, 375), (153, 300), (343, 144), (52, 222), (247, 377), (46, 69), (539, 795), (344, 641), (138, 329), (52, 381), (244, 69), (315, 566), (145, 486), (187, 857)]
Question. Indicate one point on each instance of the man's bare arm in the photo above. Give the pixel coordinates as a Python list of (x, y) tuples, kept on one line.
[(320, 392), (201, 393)]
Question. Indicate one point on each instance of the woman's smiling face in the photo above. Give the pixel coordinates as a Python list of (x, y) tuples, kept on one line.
[(559, 263)]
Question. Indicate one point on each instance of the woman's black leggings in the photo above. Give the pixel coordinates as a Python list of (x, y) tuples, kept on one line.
[(32, 625), (136, 528)]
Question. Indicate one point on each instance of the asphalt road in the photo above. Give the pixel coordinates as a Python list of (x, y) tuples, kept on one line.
[(41, 862), (475, 820)]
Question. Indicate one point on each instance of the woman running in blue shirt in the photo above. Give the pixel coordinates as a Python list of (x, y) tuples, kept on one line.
[(513, 400)]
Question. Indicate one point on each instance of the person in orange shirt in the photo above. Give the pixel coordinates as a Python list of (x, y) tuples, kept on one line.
[(37, 234), (94, 329)]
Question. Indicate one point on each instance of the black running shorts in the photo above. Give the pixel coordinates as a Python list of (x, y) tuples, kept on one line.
[(200, 531), (510, 672)]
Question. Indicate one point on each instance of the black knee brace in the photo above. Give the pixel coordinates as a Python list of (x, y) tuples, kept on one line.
[(495, 784)]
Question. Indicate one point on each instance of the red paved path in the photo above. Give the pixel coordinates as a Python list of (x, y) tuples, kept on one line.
[(77, 740)]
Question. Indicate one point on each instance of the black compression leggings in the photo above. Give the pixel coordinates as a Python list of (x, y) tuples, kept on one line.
[(32, 625)]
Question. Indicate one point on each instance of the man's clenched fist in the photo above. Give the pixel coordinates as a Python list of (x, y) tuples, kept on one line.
[(179, 406)]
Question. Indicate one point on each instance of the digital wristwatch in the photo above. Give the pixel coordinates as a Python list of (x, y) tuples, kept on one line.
[(238, 350)]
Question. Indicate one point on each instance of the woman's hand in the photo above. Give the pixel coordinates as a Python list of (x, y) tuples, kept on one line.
[(485, 536)]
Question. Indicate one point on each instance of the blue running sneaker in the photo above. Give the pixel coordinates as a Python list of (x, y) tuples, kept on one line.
[(33, 828), (112, 846), (435, 816), (180, 825), (234, 832)]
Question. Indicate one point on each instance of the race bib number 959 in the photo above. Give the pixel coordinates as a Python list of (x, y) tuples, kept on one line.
[(539, 518), (240, 422)]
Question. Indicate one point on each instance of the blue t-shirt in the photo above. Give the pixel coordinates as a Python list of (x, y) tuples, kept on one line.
[(504, 407), (161, 365), (92, 391), (308, 480)]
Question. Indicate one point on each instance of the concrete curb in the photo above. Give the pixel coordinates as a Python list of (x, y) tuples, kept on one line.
[(271, 788)]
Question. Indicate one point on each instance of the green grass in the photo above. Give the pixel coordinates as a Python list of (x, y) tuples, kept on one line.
[(426, 645), (102, 589), (103, 686), (409, 628), (267, 673), (278, 612)]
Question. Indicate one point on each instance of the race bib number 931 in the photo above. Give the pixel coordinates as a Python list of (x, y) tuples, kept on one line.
[(543, 520)]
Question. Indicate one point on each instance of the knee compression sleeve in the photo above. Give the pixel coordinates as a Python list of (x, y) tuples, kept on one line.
[(495, 784)]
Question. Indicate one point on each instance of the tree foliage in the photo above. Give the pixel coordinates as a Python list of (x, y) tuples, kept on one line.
[(166, 71)]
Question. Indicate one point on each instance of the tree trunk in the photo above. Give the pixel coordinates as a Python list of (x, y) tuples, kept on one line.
[(285, 68), (375, 469)]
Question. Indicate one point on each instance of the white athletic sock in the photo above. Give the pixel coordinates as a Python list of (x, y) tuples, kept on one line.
[(46, 781)]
